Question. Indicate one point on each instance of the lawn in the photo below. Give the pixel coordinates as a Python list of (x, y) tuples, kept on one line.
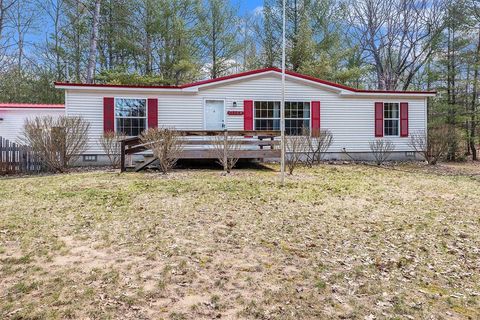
[(337, 242)]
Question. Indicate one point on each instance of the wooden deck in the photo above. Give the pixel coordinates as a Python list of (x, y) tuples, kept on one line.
[(258, 144)]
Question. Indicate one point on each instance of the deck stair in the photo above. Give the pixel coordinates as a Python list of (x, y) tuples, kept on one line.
[(259, 144)]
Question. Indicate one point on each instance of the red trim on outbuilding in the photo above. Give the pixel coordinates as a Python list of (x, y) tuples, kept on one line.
[(31, 106)]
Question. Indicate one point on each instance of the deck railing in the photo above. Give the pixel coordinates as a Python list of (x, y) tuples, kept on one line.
[(199, 144)]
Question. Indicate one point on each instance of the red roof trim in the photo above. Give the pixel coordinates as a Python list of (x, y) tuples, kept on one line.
[(243, 74), (31, 106)]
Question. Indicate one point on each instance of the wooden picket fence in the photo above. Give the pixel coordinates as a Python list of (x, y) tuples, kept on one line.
[(16, 158)]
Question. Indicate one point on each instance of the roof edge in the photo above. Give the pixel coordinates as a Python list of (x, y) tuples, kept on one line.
[(240, 75), (13, 105)]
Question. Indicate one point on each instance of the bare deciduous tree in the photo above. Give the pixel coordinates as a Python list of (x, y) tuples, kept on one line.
[(382, 150), (5, 5), (225, 149), (166, 146), (59, 141), (316, 145), (110, 143), (93, 43), (433, 146), (398, 36)]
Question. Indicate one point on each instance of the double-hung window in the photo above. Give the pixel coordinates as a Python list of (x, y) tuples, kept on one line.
[(130, 116), (391, 119), (297, 116)]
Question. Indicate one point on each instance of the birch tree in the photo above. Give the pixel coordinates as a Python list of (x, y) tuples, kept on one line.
[(92, 56)]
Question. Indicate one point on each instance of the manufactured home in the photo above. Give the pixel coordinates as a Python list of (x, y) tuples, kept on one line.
[(251, 101)]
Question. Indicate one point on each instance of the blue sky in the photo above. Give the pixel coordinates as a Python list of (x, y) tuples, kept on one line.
[(247, 5)]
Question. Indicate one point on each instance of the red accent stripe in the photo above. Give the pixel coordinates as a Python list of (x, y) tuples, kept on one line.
[(404, 119), (315, 118), (152, 113), (31, 106), (378, 119), (243, 74), (108, 114), (248, 114)]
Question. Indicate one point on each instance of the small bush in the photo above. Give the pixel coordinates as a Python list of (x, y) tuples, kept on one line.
[(59, 141), (110, 143), (316, 145), (166, 146), (295, 147), (382, 150), (225, 149), (434, 145)]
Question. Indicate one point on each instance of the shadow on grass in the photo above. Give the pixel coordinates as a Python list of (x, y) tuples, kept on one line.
[(211, 164)]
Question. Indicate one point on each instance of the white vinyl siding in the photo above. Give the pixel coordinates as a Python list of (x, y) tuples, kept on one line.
[(350, 119), (11, 127)]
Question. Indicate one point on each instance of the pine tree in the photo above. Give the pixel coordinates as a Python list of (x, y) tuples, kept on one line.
[(219, 29)]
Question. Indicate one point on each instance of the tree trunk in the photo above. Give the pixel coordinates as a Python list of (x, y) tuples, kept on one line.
[(93, 43), (2, 15), (473, 105), (214, 48), (452, 94)]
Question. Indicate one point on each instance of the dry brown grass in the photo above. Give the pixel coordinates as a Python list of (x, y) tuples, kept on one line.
[(336, 242)]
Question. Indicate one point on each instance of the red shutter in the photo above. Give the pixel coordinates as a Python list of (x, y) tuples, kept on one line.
[(315, 115), (108, 114), (152, 113), (404, 119), (248, 115), (379, 119)]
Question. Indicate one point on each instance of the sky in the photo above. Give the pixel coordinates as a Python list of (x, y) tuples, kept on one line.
[(247, 6)]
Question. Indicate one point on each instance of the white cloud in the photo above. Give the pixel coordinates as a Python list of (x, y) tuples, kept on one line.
[(258, 11)]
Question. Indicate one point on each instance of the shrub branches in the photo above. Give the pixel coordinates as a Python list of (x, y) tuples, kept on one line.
[(316, 145), (166, 146), (433, 146), (110, 143), (225, 148), (382, 150), (59, 141)]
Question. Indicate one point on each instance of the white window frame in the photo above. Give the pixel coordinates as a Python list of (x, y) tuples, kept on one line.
[(131, 98), (385, 119), (302, 101)]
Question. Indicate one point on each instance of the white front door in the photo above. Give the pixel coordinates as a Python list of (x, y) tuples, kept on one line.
[(214, 115)]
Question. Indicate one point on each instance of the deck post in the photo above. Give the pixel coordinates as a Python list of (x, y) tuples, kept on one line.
[(122, 156), (225, 145)]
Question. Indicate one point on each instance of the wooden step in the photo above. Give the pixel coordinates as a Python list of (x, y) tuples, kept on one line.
[(145, 163)]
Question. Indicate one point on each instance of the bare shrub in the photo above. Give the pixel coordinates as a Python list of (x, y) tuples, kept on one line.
[(111, 146), (382, 150), (316, 146), (434, 145), (166, 145), (225, 149), (295, 150), (59, 141)]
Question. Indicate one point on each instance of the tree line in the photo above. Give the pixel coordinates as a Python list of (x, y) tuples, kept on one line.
[(372, 44)]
